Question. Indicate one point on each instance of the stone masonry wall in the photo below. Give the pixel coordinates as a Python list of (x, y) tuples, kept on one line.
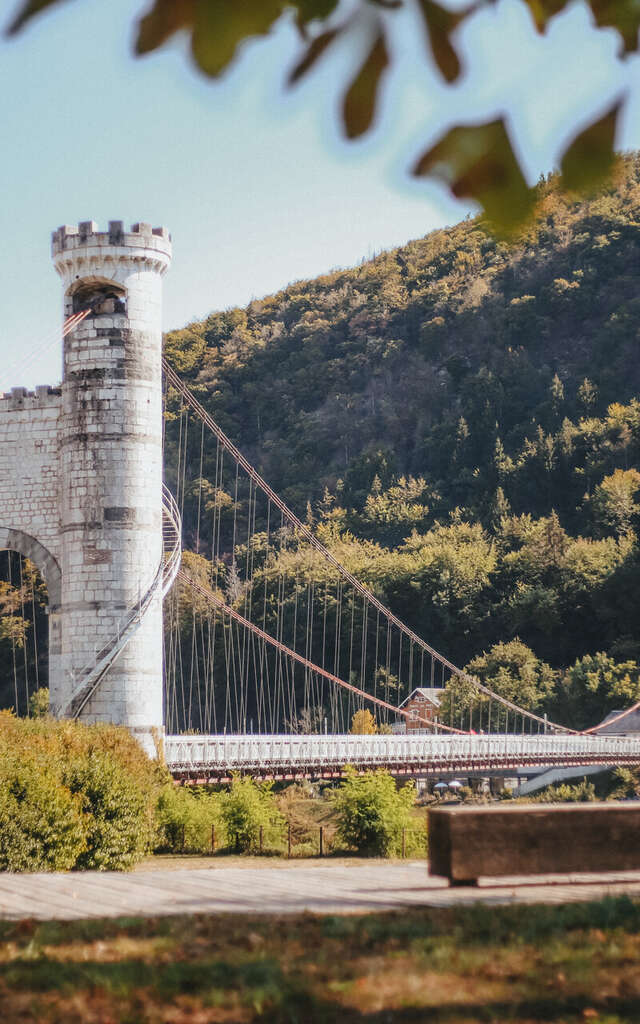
[(81, 471), (111, 467), (29, 492)]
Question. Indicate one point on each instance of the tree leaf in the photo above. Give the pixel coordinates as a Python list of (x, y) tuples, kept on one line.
[(478, 162), (165, 18), (314, 50), (623, 15), (440, 23), (313, 10), (589, 159), (28, 11), (359, 104), (542, 11), (220, 26)]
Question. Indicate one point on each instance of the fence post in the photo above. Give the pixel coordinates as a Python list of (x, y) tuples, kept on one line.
[(289, 841), (213, 838), (182, 847), (404, 843), (321, 841), (260, 839)]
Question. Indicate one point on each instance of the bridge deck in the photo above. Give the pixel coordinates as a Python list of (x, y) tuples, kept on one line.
[(283, 756)]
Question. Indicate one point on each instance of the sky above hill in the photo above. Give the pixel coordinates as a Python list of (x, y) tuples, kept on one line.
[(256, 185)]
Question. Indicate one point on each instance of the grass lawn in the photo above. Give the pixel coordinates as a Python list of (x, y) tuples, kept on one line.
[(577, 962)]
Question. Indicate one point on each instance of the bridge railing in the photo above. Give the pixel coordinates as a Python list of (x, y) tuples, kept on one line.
[(262, 753)]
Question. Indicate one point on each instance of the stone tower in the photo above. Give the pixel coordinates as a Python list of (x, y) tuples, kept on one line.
[(83, 472)]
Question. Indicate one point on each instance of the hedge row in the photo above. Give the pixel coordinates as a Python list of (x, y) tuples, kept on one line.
[(74, 796)]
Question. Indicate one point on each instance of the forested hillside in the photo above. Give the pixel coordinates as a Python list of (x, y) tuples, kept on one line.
[(461, 418)]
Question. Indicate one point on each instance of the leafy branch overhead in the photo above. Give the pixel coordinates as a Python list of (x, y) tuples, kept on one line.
[(476, 161)]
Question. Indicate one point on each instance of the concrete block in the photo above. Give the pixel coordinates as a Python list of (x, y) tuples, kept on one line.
[(467, 843)]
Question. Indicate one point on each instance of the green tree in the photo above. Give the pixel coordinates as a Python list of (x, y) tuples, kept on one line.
[(372, 811), (73, 795), (39, 703), (245, 808), (594, 686), (513, 670), (587, 395), (613, 502), (580, 793), (184, 817), (392, 514)]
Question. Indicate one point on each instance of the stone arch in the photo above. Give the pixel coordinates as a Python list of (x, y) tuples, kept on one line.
[(100, 294), (24, 544)]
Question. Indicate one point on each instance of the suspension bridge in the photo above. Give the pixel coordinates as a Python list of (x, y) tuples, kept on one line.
[(273, 642), (286, 644)]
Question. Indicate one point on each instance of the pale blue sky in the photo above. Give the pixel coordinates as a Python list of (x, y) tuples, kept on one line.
[(255, 184)]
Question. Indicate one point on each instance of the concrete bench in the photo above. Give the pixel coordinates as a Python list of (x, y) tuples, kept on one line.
[(466, 843)]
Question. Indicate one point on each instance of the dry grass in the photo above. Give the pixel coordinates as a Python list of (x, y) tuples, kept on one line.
[(574, 963), (191, 861)]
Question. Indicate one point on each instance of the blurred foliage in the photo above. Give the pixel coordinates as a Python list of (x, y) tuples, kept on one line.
[(475, 161), (39, 703)]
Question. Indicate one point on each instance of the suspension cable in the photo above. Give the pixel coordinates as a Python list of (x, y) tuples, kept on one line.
[(176, 382), (226, 609)]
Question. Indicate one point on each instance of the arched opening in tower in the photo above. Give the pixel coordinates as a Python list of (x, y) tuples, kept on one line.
[(99, 296), (24, 634)]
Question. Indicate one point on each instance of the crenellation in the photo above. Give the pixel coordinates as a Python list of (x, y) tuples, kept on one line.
[(85, 243), (44, 397)]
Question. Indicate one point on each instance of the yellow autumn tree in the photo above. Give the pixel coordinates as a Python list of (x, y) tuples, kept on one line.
[(363, 723)]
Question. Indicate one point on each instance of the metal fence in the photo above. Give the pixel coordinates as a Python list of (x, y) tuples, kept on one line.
[(276, 840), (193, 756)]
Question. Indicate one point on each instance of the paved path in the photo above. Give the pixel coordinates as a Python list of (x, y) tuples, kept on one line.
[(324, 889)]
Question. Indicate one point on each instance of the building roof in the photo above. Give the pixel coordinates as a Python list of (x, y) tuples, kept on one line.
[(431, 693), (630, 723)]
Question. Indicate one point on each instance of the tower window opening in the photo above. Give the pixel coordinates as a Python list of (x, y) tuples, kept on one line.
[(101, 298)]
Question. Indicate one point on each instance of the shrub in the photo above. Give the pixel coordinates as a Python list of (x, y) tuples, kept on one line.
[(581, 792), (372, 811), (118, 826), (624, 784), (42, 827), (84, 796), (247, 806), (184, 818), (39, 703)]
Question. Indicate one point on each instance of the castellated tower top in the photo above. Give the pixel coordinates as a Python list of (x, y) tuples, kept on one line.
[(84, 243)]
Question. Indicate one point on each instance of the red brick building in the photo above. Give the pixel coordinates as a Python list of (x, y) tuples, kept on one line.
[(423, 703)]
